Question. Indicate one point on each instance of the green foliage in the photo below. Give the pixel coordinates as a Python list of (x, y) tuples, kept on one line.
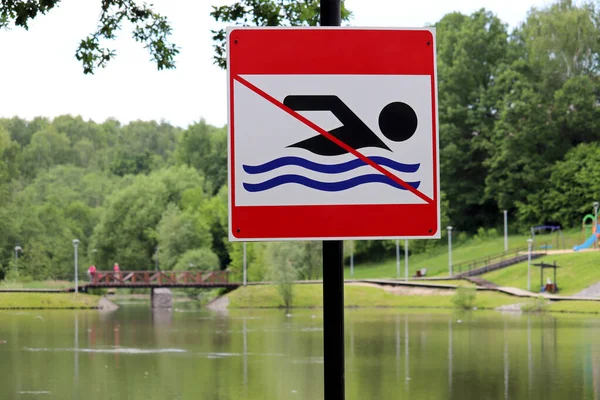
[(204, 147), (469, 50), (283, 260), (464, 297), (98, 291), (148, 27), (13, 276), (562, 41), (265, 13), (126, 232), (255, 261), (198, 260), (177, 234), (153, 30), (537, 304)]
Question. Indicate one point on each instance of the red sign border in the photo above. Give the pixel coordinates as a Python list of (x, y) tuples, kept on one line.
[(331, 51)]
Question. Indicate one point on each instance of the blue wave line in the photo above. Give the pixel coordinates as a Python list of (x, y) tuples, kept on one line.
[(325, 186), (328, 168)]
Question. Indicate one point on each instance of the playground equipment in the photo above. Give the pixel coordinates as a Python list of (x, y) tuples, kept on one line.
[(595, 233), (553, 229)]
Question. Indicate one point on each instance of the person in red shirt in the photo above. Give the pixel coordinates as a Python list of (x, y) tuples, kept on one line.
[(91, 272), (117, 271)]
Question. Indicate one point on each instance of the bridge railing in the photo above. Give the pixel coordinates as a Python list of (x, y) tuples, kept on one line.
[(159, 278)]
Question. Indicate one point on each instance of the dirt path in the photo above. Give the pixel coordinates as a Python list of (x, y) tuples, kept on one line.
[(219, 304), (406, 290), (590, 291)]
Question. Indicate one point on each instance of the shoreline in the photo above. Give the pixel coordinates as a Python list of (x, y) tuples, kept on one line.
[(381, 296), (55, 301)]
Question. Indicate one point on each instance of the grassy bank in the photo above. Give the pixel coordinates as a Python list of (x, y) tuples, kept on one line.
[(307, 296), (47, 300), (356, 296), (47, 284), (578, 271), (436, 262), (592, 307)]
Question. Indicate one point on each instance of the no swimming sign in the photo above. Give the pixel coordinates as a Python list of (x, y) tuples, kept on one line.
[(332, 134)]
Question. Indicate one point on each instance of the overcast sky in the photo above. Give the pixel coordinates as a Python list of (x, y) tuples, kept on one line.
[(41, 77)]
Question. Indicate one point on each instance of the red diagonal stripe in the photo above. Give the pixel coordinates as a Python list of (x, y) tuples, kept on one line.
[(329, 136)]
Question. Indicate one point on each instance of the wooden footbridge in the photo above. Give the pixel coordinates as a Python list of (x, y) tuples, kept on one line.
[(159, 279)]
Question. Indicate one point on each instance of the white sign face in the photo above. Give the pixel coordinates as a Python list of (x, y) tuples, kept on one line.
[(281, 161)]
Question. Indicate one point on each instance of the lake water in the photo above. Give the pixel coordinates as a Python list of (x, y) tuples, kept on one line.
[(135, 353)]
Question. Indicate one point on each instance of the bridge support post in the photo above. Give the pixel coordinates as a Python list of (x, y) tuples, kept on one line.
[(161, 298)]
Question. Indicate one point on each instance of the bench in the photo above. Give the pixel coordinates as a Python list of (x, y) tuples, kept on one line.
[(421, 272)]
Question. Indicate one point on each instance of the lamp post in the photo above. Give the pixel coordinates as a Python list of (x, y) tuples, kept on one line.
[(245, 267), (450, 249), (352, 260), (397, 259), (156, 259), (529, 242), (406, 260), (75, 245), (505, 231), (17, 250)]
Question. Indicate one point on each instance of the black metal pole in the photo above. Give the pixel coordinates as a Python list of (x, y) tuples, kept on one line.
[(331, 13), (333, 319), (333, 277)]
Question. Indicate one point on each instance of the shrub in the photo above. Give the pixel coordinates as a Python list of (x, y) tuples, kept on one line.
[(13, 276), (98, 291), (464, 297), (539, 304)]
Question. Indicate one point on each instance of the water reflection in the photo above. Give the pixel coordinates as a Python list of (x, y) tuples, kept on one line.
[(398, 344), (406, 356), (245, 350), (76, 352), (264, 355), (529, 357), (506, 362), (450, 355)]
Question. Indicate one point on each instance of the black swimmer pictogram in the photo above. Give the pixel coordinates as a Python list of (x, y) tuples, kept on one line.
[(397, 121)]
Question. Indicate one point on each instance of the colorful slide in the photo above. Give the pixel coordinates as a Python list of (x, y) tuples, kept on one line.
[(590, 241)]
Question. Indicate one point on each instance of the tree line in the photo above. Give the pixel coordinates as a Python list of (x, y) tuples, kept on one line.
[(518, 113)]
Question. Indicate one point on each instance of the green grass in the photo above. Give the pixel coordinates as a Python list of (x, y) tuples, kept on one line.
[(47, 300), (578, 271), (575, 306), (437, 261), (48, 284), (355, 296)]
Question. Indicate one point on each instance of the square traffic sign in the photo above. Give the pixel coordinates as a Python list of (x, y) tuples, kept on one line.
[(333, 134)]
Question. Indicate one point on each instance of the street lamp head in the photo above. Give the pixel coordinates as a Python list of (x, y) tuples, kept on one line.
[(530, 240), (449, 228), (75, 242)]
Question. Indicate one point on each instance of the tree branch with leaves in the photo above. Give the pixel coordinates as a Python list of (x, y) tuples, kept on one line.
[(265, 13), (149, 28)]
